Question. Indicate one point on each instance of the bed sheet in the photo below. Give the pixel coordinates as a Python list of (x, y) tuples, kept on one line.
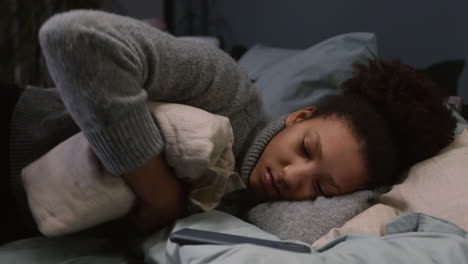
[(412, 238)]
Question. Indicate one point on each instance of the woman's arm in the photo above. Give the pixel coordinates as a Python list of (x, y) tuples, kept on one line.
[(162, 199), (106, 67)]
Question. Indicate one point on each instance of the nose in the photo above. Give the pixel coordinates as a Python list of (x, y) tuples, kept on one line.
[(297, 181)]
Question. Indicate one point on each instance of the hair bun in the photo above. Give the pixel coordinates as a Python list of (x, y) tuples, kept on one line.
[(411, 103)]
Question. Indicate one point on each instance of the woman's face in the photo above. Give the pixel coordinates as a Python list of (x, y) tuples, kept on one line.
[(309, 158)]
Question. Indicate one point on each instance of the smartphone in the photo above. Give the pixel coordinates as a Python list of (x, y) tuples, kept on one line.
[(189, 236)]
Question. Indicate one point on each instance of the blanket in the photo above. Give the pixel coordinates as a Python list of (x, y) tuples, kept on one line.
[(68, 189), (411, 238)]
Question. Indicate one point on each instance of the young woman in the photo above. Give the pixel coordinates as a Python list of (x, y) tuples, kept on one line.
[(105, 67)]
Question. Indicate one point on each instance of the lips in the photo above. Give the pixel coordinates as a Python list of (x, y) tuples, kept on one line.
[(270, 186)]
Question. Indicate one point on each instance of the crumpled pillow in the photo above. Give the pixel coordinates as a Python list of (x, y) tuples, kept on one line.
[(199, 148), (307, 221), (68, 189)]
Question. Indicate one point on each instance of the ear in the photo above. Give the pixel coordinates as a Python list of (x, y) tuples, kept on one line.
[(299, 115)]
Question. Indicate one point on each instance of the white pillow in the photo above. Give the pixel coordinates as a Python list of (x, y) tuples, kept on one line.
[(68, 189)]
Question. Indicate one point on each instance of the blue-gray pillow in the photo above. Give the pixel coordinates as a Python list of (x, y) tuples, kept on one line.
[(260, 58), (293, 79)]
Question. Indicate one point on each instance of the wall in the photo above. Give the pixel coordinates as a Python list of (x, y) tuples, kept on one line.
[(140, 9)]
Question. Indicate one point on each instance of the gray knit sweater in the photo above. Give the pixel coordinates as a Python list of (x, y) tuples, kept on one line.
[(105, 67)]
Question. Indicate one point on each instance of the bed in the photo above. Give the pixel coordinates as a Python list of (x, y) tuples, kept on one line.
[(423, 219)]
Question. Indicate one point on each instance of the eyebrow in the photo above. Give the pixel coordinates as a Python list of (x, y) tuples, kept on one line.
[(318, 148)]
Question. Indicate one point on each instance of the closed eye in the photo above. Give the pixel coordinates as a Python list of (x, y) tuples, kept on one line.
[(304, 148)]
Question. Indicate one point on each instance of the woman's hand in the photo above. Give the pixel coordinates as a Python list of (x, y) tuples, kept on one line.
[(161, 195)]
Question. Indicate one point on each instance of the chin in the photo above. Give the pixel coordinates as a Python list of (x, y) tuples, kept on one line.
[(255, 184), (255, 188), (258, 195), (261, 198)]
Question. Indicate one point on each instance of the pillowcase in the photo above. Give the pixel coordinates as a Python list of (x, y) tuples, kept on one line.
[(289, 79), (260, 58), (436, 186)]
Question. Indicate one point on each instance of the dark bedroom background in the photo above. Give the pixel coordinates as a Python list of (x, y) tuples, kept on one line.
[(428, 34)]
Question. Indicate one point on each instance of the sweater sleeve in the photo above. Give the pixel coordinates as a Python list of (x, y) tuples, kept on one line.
[(106, 67)]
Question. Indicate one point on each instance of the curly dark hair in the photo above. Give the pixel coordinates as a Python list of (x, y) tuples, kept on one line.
[(396, 112)]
